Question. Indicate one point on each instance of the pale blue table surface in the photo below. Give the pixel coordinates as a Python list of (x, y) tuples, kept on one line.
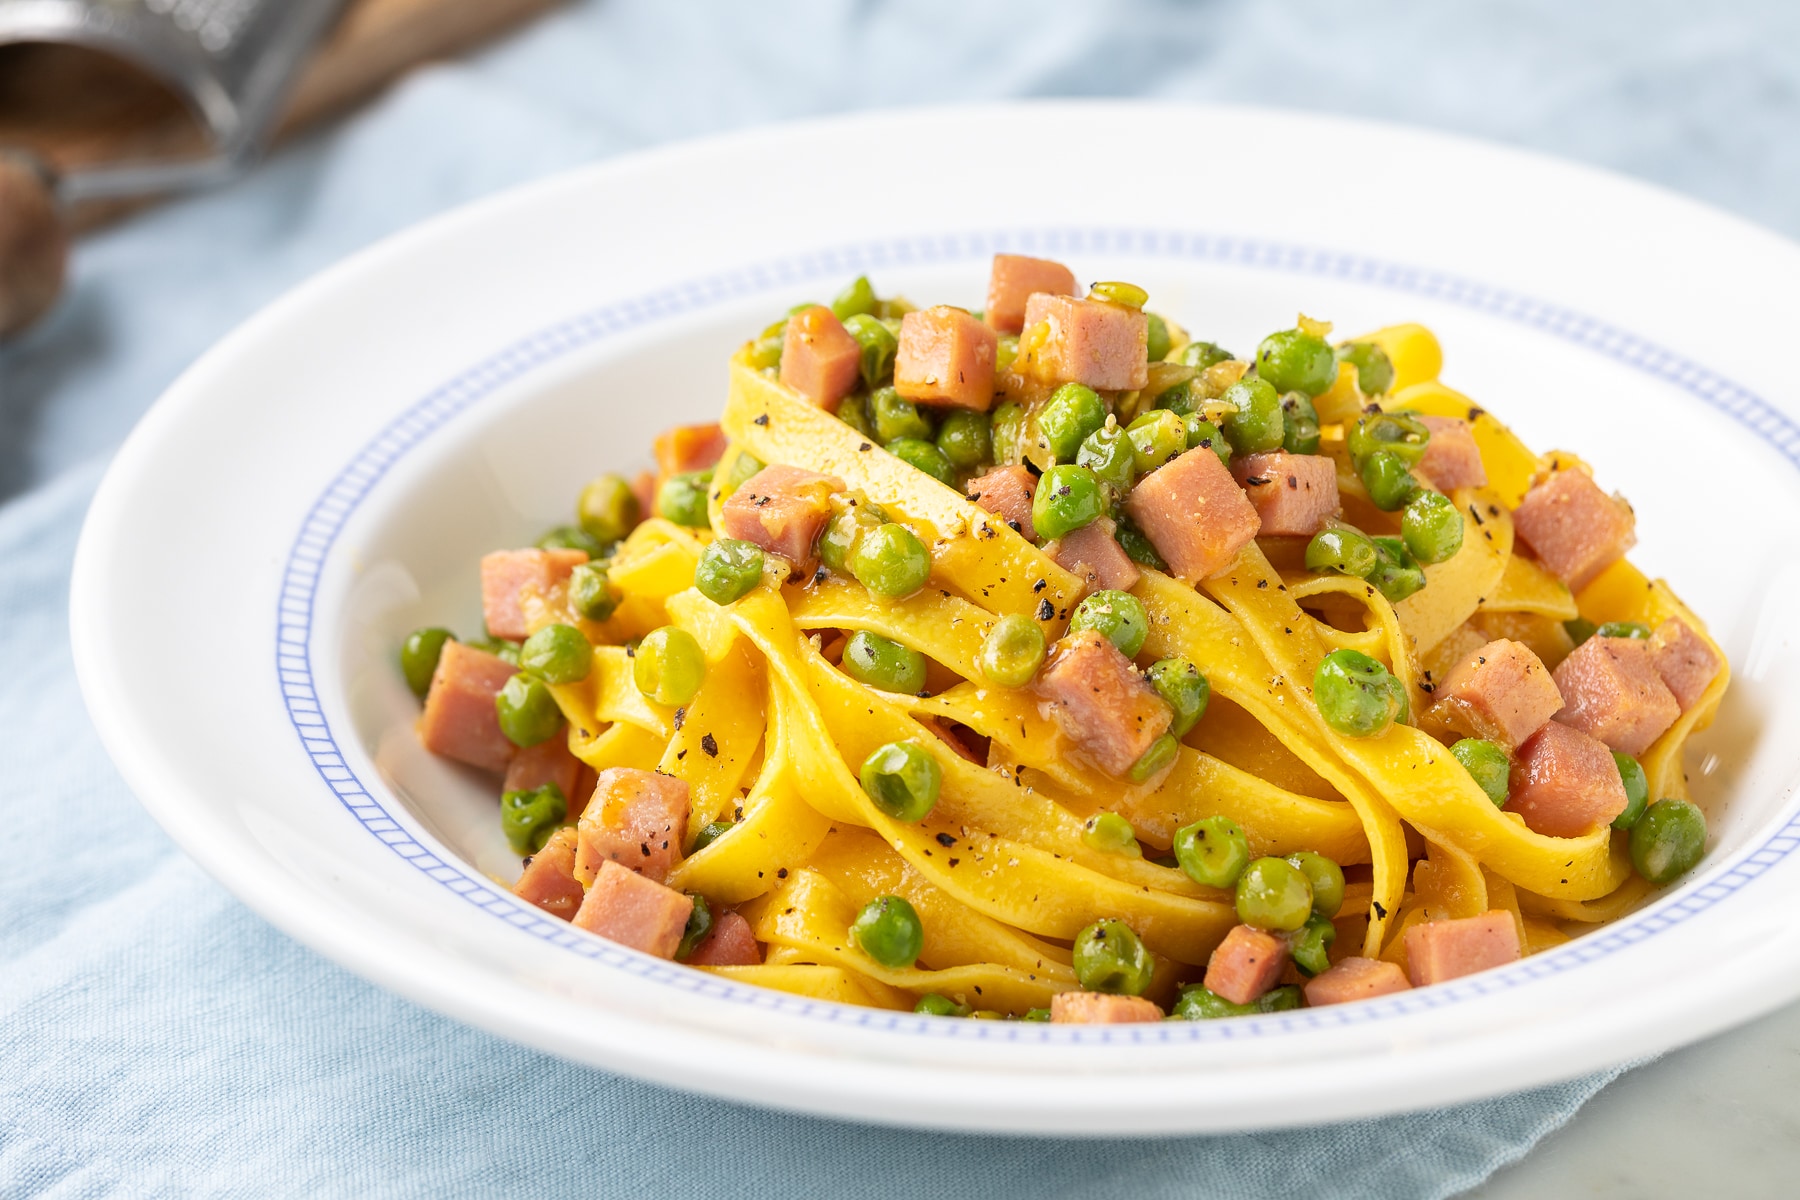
[(156, 1038)]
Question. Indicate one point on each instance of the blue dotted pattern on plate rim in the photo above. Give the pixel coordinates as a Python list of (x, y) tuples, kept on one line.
[(329, 513)]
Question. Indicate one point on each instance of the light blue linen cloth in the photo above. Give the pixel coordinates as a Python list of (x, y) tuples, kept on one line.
[(158, 1039)]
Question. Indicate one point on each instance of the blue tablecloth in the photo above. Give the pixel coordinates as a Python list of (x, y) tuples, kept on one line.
[(157, 1038)]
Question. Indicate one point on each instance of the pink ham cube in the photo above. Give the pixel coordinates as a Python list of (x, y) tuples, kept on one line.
[(547, 762), (1565, 783), (1246, 964), (1611, 691), (1502, 692), (1094, 555), (1100, 702), (730, 944), (1452, 460), (1685, 660), (1015, 280), (459, 720), (783, 510), (689, 448), (505, 574), (1099, 1008), (548, 879), (1439, 951), (1194, 513), (1007, 492), (1292, 493), (946, 356), (819, 358), (1355, 979), (627, 908), (1104, 346), (1575, 529), (635, 818)]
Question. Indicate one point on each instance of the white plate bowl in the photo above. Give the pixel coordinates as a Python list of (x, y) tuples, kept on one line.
[(325, 479)]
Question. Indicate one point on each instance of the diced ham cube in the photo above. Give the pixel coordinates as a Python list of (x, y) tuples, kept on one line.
[(1439, 951), (1611, 691), (1685, 660), (730, 944), (1093, 554), (1007, 492), (1355, 979), (1565, 783), (1575, 529), (1194, 513), (1104, 346), (689, 448), (548, 879), (1501, 692), (1246, 964), (819, 357), (547, 762), (1452, 459), (1098, 699), (634, 911), (635, 818), (946, 356), (1099, 1008), (783, 510), (1293, 493), (505, 574), (1015, 279), (459, 720)]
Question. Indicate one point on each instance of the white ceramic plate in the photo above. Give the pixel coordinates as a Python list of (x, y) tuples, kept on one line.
[(324, 480)]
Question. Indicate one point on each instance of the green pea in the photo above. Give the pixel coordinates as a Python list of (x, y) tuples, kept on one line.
[(965, 439), (933, 1005), (889, 931), (607, 508), (1036, 1014), (1203, 433), (1326, 879), (857, 299), (1138, 548), (728, 570), (682, 499), (1274, 894), (591, 593), (1311, 949), (1390, 482), (1637, 790), (1256, 423), (1129, 295), (709, 833), (878, 345), (765, 352), (894, 416), (1296, 361), (1070, 414), (1342, 549), (1109, 957), (1068, 498), (668, 666), (1180, 683), (1488, 765), (1012, 652), (903, 781), (528, 713), (1201, 355), (891, 561), (1157, 340), (1580, 629), (500, 648), (743, 469), (844, 532), (872, 659), (1199, 1004), (1623, 629), (528, 818), (1108, 453), (853, 410), (419, 655), (1396, 576), (1374, 369), (1162, 752), (1300, 424), (557, 654), (1110, 833), (699, 925), (1400, 434), (571, 537), (1213, 851), (925, 456), (1356, 695), (1008, 432), (1178, 399), (1157, 437), (1431, 527), (1668, 840), (1281, 999), (1117, 616)]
